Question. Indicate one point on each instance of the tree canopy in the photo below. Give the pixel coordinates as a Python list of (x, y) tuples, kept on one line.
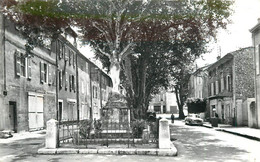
[(145, 38)]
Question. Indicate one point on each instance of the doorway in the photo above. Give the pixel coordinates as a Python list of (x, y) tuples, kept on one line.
[(13, 116), (60, 110)]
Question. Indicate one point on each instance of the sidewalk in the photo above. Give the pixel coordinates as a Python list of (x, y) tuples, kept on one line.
[(246, 132), (24, 136)]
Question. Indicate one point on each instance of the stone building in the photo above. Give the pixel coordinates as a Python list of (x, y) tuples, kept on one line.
[(164, 102), (94, 88), (27, 82), (230, 84), (52, 82), (198, 86), (254, 109)]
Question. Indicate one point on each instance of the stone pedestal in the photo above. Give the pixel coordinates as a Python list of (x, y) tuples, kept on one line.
[(164, 134), (51, 138)]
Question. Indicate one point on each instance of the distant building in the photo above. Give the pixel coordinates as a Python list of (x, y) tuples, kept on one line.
[(164, 102), (231, 83), (254, 109), (198, 86)]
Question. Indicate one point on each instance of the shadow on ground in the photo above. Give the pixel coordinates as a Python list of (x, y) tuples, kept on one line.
[(196, 145)]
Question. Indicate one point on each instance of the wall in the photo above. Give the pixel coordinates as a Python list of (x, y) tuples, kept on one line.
[(244, 73), (18, 87), (256, 42)]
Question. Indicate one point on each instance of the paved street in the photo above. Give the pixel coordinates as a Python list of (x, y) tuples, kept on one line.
[(194, 143)]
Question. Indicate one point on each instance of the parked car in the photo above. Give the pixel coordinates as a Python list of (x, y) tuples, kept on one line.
[(193, 119)]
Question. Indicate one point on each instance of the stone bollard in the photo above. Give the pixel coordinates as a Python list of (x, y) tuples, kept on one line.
[(164, 134), (51, 138)]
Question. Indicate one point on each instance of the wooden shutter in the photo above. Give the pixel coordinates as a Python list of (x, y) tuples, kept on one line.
[(74, 59), (60, 79), (66, 80), (70, 53), (29, 69), (74, 78), (49, 74), (17, 63), (42, 72), (66, 53), (60, 50), (70, 80)]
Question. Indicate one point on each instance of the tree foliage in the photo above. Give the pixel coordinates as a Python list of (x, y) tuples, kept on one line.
[(147, 39), (197, 105)]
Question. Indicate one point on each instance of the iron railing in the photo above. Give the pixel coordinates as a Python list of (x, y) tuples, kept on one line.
[(108, 133)]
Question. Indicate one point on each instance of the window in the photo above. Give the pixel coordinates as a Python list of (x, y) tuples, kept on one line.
[(21, 65), (44, 72), (222, 84), (60, 49), (66, 81), (74, 59), (229, 82), (50, 79), (60, 79), (216, 87), (66, 53), (70, 57), (212, 89), (72, 83)]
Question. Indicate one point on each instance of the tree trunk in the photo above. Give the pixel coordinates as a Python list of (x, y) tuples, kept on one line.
[(180, 103)]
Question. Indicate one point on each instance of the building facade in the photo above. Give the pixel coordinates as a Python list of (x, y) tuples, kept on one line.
[(52, 82), (27, 82), (198, 86), (230, 84), (254, 109), (164, 102)]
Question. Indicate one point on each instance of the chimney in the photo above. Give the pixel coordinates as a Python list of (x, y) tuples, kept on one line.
[(218, 57), (258, 20)]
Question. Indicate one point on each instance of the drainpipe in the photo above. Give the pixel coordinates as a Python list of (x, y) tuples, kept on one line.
[(3, 22), (100, 96), (57, 83), (90, 83)]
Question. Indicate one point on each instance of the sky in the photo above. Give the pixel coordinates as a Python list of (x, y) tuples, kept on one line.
[(237, 34)]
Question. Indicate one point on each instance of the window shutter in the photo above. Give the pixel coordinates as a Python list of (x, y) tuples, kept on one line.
[(60, 50), (41, 72), (70, 53), (60, 79), (70, 80), (74, 59), (66, 53), (66, 80), (74, 78), (29, 69), (49, 74)]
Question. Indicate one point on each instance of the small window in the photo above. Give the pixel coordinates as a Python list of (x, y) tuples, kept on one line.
[(60, 79), (20, 64), (44, 72)]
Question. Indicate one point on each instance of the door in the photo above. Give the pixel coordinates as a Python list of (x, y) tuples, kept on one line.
[(13, 116), (60, 110), (164, 109), (35, 111)]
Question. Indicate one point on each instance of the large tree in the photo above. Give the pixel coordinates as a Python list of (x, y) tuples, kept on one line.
[(114, 28)]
